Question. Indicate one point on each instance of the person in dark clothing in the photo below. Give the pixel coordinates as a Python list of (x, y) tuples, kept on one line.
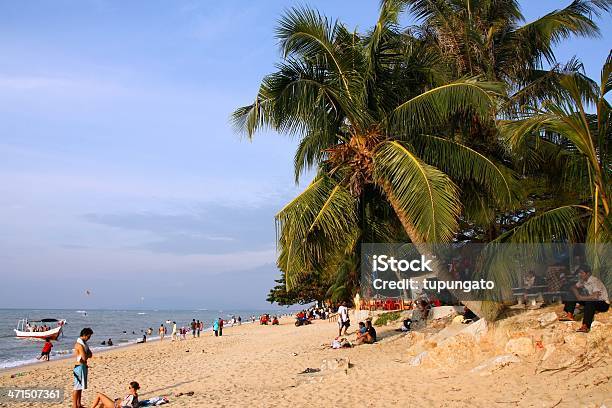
[(194, 327), (370, 336)]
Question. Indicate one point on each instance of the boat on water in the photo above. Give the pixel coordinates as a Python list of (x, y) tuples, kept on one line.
[(25, 329)]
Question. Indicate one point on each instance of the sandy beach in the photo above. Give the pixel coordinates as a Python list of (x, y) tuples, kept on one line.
[(261, 365)]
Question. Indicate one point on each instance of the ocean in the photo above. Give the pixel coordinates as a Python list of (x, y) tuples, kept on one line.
[(122, 326)]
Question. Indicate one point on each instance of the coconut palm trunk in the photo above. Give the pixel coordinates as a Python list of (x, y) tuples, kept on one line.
[(486, 310)]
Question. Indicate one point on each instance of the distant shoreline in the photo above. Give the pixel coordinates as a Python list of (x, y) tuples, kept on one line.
[(98, 349)]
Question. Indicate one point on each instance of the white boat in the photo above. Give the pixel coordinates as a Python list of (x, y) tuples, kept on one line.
[(23, 330)]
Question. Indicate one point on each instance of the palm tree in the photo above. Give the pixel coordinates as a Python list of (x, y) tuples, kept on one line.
[(490, 38), (582, 144), (370, 116)]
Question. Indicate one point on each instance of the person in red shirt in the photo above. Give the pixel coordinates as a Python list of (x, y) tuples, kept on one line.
[(46, 351), (435, 302)]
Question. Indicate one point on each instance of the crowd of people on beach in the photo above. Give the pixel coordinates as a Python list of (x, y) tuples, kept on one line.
[(586, 295), (588, 292), (82, 354)]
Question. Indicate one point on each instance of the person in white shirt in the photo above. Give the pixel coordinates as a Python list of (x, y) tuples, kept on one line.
[(343, 319), (594, 297)]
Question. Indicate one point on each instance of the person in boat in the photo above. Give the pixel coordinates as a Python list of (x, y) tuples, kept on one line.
[(130, 400), (80, 371), (46, 351)]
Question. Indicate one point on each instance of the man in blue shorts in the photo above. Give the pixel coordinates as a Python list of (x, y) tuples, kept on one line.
[(82, 353)]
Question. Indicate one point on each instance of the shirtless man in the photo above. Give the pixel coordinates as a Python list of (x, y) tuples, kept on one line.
[(82, 353)]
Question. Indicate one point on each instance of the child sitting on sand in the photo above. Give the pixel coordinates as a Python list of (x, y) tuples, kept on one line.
[(130, 400), (362, 330)]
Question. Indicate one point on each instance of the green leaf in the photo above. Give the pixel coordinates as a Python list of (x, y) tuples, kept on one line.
[(418, 192)]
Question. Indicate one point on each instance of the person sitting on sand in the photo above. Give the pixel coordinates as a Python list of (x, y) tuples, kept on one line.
[(405, 326), (275, 321), (370, 335), (361, 332), (130, 400), (594, 298)]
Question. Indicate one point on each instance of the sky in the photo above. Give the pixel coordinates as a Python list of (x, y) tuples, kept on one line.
[(119, 170)]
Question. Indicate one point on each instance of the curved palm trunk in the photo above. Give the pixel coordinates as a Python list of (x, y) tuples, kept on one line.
[(487, 310)]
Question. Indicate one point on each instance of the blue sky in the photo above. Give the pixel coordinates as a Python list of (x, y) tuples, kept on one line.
[(119, 171)]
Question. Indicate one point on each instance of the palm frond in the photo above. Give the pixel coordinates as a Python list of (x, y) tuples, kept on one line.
[(313, 225), (462, 163), (435, 106), (304, 32), (561, 223), (540, 36), (418, 192)]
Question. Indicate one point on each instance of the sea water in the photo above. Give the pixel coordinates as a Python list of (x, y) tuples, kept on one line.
[(122, 326)]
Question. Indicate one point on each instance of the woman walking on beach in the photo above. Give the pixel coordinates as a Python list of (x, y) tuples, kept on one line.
[(174, 333), (162, 332), (220, 327), (80, 371)]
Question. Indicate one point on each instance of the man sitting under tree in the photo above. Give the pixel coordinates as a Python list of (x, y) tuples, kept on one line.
[(589, 292)]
